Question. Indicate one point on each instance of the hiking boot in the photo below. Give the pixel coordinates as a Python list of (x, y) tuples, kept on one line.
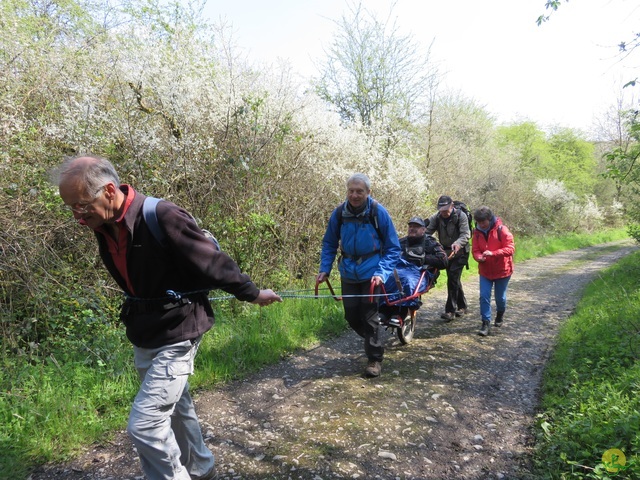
[(210, 475), (499, 319), (486, 327), (447, 316), (461, 312), (373, 369)]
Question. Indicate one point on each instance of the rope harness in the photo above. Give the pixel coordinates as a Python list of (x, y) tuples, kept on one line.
[(175, 299)]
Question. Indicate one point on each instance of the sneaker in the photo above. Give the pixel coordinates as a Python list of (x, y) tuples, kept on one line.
[(210, 475), (486, 327), (447, 316), (461, 312), (373, 369), (499, 319)]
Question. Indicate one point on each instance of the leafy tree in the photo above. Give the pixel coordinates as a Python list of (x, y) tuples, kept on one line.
[(527, 142), (375, 76), (571, 160), (622, 165), (563, 155)]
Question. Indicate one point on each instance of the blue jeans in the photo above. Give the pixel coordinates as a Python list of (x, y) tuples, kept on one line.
[(163, 423), (486, 286)]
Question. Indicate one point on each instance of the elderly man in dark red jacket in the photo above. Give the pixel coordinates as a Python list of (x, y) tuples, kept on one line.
[(165, 327)]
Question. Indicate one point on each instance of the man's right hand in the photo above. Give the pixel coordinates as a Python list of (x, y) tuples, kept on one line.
[(267, 297), (322, 276)]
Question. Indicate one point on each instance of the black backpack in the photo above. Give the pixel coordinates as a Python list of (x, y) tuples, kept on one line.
[(151, 219), (463, 207)]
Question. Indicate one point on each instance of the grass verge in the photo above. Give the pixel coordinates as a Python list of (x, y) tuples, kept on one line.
[(591, 390)]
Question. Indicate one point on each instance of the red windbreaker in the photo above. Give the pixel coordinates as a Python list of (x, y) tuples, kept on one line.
[(498, 240)]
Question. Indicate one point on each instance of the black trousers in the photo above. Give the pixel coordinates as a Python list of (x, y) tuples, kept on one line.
[(362, 315), (455, 294)]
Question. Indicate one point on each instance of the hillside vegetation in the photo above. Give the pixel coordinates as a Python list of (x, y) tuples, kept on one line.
[(259, 159)]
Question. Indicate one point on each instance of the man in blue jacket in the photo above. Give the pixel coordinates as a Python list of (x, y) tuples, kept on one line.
[(369, 251)]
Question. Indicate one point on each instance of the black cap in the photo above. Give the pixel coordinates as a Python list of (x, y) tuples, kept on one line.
[(417, 220), (444, 201)]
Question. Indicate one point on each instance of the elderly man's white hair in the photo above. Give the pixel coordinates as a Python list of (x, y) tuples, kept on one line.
[(360, 177)]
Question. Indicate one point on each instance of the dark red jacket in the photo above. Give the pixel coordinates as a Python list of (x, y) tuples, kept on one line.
[(188, 263), (498, 240)]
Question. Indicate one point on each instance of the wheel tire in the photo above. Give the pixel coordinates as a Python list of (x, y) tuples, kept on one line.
[(406, 332)]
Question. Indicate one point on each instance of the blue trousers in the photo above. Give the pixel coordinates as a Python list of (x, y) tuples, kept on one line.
[(486, 286), (163, 423)]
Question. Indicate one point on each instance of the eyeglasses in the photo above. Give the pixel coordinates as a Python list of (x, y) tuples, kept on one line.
[(83, 207)]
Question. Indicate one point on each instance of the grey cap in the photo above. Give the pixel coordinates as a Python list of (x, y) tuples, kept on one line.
[(417, 220), (444, 201)]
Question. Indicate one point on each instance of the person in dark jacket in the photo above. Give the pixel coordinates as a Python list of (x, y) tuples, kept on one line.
[(493, 249), (369, 250), (452, 227), (421, 249), (166, 311)]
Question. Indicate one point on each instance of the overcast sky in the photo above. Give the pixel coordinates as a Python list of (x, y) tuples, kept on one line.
[(563, 73)]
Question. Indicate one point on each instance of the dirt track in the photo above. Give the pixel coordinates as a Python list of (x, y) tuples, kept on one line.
[(449, 405)]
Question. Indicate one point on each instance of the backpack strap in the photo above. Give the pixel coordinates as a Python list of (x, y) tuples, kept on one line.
[(373, 217), (151, 219)]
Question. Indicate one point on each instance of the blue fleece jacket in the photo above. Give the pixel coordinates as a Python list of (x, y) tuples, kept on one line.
[(364, 253)]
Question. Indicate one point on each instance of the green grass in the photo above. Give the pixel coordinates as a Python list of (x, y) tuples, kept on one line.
[(591, 393), (534, 247), (52, 405), (238, 345)]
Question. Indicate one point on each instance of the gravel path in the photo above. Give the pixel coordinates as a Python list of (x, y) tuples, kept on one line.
[(450, 404)]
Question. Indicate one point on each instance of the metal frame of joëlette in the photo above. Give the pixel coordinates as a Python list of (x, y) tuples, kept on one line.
[(414, 295)]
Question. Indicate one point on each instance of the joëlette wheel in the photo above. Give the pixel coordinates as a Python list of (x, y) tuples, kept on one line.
[(405, 333)]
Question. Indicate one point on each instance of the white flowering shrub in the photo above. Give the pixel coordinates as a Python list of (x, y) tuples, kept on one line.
[(554, 192), (561, 211), (587, 215), (247, 149)]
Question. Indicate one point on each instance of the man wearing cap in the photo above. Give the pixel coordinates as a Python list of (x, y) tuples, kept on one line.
[(421, 249), (452, 227)]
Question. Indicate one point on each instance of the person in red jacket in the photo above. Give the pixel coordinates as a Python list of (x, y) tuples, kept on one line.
[(493, 249)]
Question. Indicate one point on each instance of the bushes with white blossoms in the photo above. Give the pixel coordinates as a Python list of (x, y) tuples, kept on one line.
[(561, 210), (251, 152)]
